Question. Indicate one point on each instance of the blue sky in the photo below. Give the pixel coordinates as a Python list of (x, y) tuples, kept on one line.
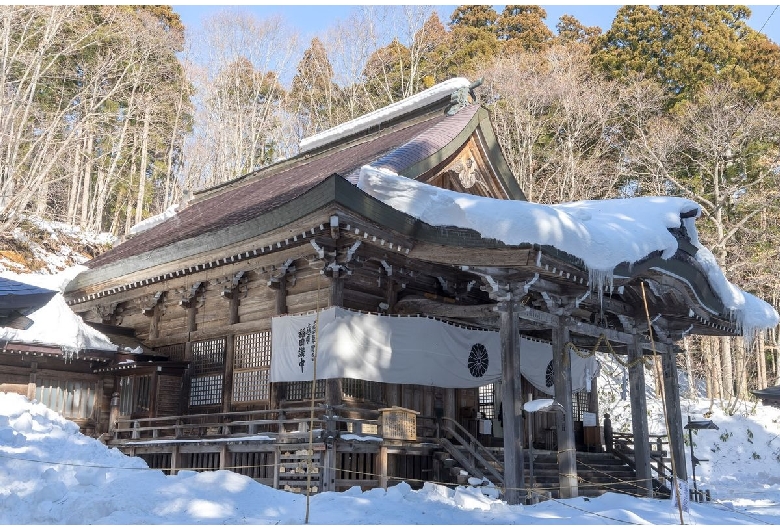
[(312, 20)]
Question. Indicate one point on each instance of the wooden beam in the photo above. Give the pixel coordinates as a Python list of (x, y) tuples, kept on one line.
[(567, 450), (435, 308)]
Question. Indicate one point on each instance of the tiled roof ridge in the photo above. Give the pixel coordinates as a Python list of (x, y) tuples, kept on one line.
[(393, 111)]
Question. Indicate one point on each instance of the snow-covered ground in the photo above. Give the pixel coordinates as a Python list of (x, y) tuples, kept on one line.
[(51, 474)]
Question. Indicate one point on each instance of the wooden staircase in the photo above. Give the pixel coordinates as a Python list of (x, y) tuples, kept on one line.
[(462, 456)]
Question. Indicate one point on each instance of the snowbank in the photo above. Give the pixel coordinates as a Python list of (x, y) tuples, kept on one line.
[(51, 474)]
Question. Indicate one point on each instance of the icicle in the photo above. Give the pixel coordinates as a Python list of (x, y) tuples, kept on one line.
[(601, 279)]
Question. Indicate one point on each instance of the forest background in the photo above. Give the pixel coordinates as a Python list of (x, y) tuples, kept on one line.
[(111, 114)]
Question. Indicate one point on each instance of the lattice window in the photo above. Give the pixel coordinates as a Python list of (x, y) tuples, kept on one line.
[(253, 350), (251, 367), (487, 401), (208, 366), (363, 390), (579, 404), (300, 390), (206, 390), (208, 356), (175, 352), (134, 394), (72, 399)]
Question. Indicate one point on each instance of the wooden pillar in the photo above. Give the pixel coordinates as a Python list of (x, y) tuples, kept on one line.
[(673, 414), (175, 459), (333, 388), (514, 472), (329, 466), (223, 456), (276, 391), (153, 384), (227, 377), (154, 324), (567, 450), (277, 463), (186, 380), (636, 379)]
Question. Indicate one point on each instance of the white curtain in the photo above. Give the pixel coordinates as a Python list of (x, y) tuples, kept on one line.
[(407, 350)]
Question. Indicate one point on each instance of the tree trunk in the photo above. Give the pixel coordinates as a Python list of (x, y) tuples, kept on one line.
[(75, 181), (139, 206), (87, 180)]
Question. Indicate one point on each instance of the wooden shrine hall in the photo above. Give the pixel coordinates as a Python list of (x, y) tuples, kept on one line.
[(216, 290)]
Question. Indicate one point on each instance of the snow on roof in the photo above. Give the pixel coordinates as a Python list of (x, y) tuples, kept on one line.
[(55, 324), (433, 94), (603, 234), (146, 224)]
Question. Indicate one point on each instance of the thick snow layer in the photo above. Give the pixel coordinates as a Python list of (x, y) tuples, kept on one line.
[(602, 234), (148, 223), (55, 324), (537, 404), (435, 93), (51, 474)]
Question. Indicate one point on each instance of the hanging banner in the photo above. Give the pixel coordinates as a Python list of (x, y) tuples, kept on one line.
[(536, 365), (406, 350), (387, 349)]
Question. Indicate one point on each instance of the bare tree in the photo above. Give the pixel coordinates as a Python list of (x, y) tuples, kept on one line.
[(238, 95)]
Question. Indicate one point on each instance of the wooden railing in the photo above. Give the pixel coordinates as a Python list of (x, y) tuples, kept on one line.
[(471, 451), (622, 445), (211, 425)]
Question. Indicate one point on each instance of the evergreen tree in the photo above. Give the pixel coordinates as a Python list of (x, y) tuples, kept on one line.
[(523, 28), (686, 47), (313, 93), (474, 40), (572, 30)]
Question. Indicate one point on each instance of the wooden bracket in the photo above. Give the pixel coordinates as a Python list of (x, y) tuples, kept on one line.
[(189, 298), (149, 303)]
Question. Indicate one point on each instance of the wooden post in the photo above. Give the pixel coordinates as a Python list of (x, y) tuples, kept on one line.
[(514, 472), (383, 467), (276, 390), (636, 378), (277, 463), (329, 466), (175, 459), (33, 380), (153, 384), (154, 324), (113, 414), (227, 377), (224, 454), (333, 388), (567, 450), (186, 380), (673, 414)]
